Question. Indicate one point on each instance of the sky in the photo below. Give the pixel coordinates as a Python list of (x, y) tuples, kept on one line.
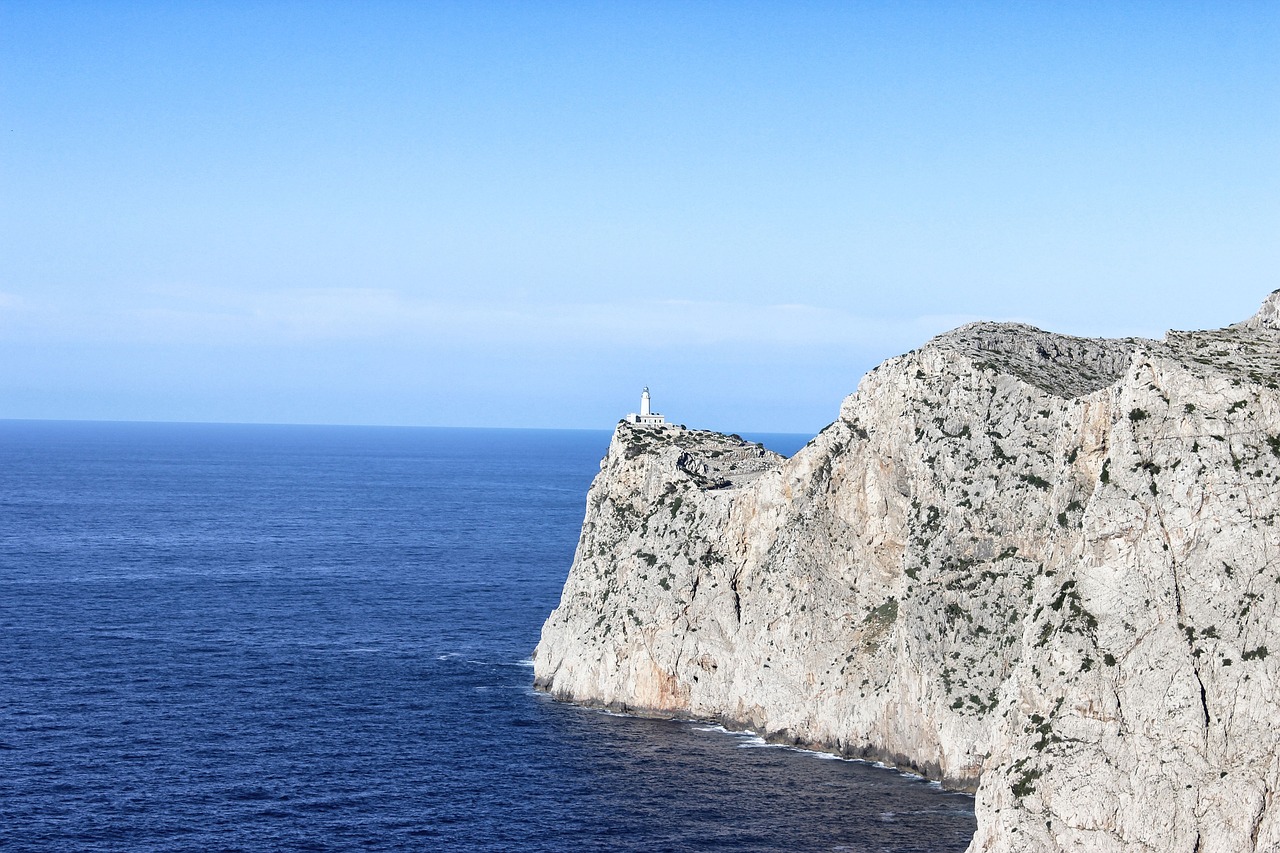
[(518, 214)]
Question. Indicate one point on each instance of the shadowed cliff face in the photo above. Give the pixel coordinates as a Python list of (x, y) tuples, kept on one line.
[(1041, 566)]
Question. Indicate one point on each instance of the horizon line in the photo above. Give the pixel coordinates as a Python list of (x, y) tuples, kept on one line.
[(140, 421)]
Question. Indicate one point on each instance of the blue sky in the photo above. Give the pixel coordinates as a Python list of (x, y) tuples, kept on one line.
[(516, 214)]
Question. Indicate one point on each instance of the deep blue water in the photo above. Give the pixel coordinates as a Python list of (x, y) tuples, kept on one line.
[(315, 638)]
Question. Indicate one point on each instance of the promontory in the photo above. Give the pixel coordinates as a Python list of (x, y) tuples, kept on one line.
[(1039, 567)]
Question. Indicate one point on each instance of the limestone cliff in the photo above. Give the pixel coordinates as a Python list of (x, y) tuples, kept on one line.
[(1044, 567)]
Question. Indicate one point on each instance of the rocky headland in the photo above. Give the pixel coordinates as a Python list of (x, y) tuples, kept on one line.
[(1042, 568)]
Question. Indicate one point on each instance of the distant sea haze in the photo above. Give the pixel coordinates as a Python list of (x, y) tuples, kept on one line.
[(317, 638)]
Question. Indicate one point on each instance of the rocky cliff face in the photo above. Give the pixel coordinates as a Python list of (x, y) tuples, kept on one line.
[(1045, 568)]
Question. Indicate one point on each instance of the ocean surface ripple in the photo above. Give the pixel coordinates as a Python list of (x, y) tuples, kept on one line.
[(219, 637)]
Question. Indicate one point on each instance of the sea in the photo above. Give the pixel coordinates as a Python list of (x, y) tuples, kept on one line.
[(308, 638)]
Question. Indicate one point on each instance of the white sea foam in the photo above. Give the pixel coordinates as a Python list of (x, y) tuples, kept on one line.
[(824, 756), (753, 740)]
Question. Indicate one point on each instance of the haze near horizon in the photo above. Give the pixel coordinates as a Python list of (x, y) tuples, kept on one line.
[(517, 215)]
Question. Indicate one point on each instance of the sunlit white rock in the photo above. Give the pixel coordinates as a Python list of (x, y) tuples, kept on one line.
[(1042, 566)]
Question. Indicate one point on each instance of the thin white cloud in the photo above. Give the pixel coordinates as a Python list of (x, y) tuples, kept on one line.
[(282, 317), (180, 315)]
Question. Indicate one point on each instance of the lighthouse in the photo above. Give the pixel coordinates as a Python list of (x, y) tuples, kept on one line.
[(646, 417)]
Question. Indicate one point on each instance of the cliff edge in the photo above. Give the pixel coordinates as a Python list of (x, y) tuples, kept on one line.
[(1040, 567)]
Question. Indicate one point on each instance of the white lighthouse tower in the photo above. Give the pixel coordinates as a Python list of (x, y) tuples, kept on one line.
[(646, 417)]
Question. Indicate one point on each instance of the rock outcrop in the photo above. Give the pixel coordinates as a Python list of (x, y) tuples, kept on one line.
[(1039, 567)]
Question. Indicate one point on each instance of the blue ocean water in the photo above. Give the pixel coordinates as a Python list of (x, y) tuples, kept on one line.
[(221, 637)]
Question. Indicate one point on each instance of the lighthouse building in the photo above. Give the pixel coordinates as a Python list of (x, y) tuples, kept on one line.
[(646, 417)]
